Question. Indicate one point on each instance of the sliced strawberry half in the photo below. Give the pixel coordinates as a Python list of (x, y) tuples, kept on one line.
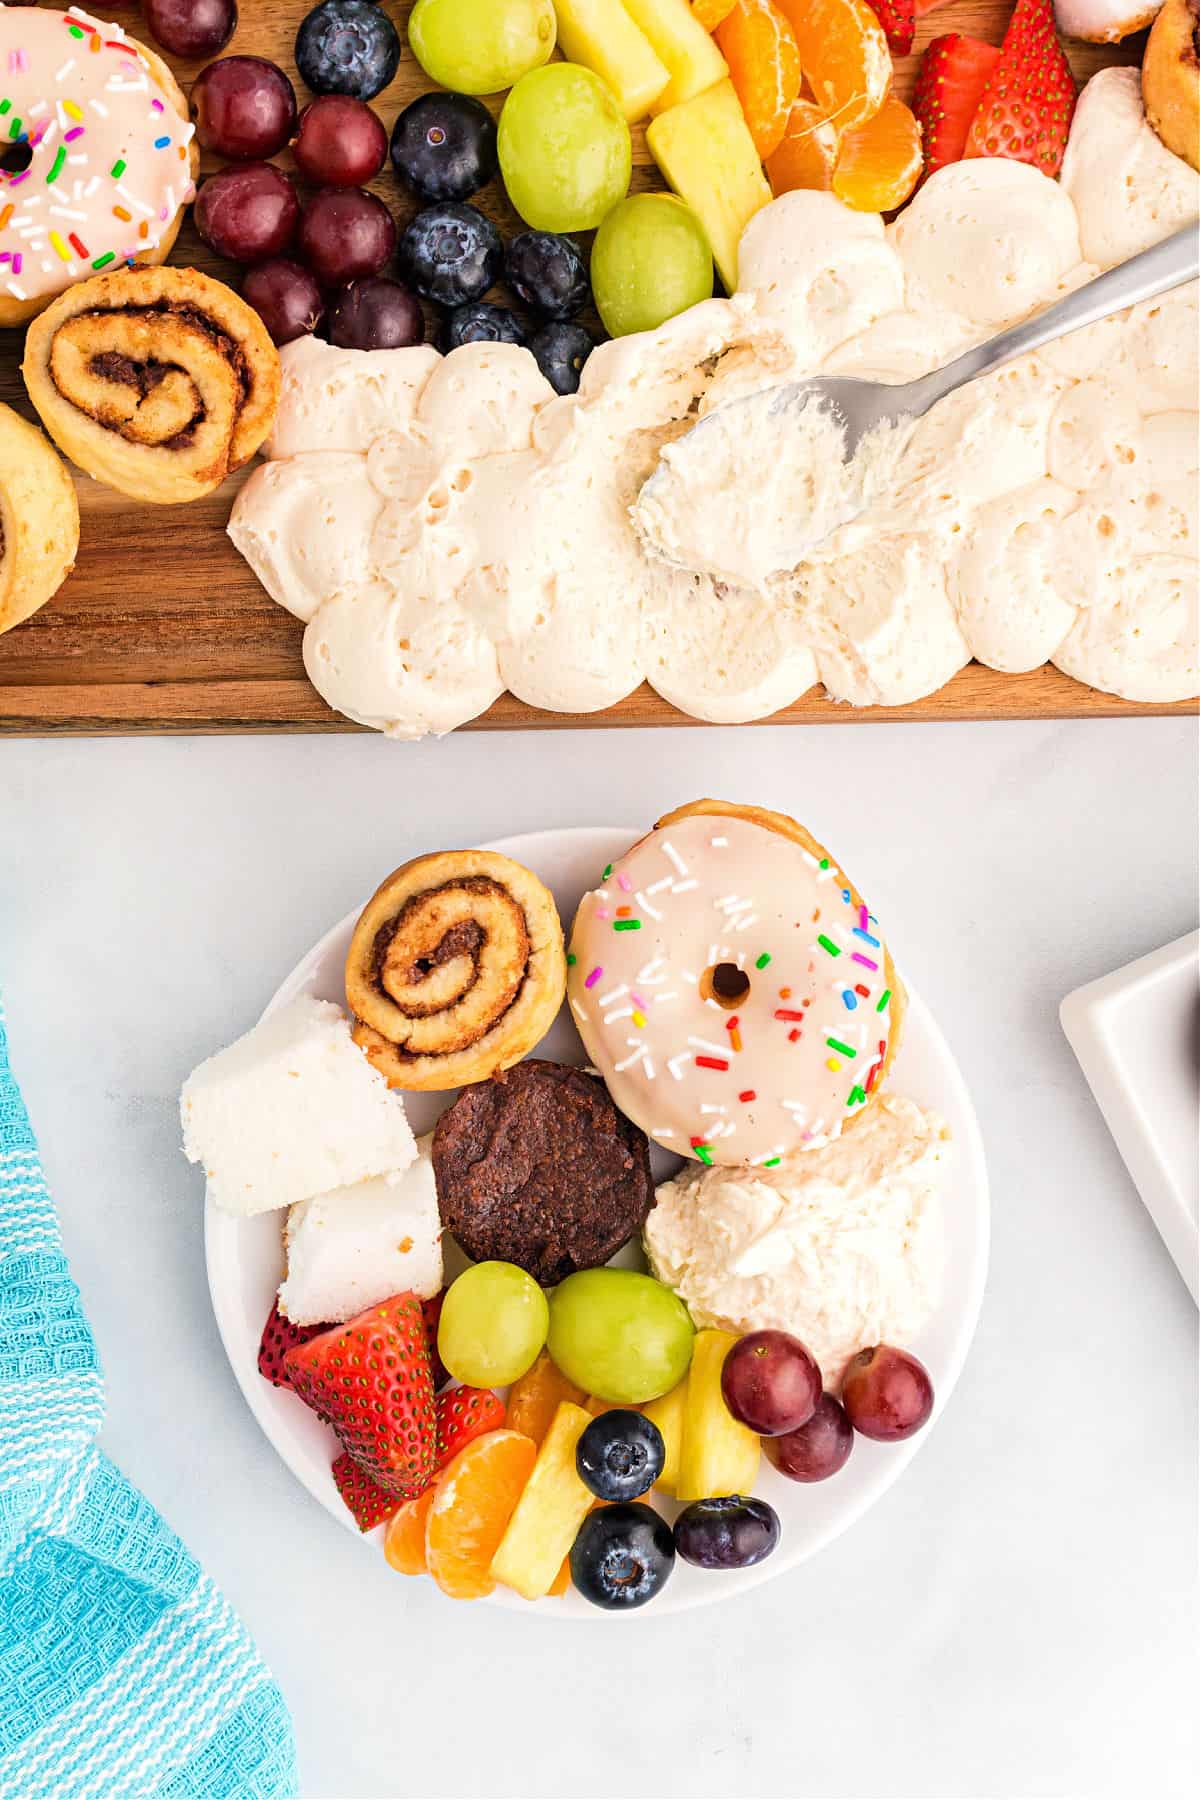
[(279, 1336), (369, 1503), (432, 1310), (370, 1379), (898, 18), (464, 1413), (1025, 111), (950, 82)]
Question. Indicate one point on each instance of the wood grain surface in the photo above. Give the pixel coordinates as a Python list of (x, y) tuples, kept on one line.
[(163, 627)]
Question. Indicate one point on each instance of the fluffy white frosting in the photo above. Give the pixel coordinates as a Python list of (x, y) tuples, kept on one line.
[(842, 1246), (448, 527)]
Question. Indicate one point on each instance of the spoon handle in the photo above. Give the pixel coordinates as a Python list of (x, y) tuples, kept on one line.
[(1154, 271)]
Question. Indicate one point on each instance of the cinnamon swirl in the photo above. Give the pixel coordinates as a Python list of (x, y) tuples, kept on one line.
[(159, 382), (39, 520), (455, 970)]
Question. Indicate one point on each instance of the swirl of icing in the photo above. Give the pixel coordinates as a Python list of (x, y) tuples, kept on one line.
[(455, 969), (732, 987)]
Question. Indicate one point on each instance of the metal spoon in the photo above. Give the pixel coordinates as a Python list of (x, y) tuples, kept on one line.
[(858, 406)]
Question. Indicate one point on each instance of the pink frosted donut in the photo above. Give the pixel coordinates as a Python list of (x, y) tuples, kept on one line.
[(98, 158), (732, 987)]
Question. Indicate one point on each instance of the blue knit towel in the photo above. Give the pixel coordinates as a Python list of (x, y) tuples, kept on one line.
[(123, 1672)]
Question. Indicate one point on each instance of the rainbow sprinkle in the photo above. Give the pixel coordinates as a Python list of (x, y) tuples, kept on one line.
[(762, 961), (828, 945), (627, 924), (842, 1049)]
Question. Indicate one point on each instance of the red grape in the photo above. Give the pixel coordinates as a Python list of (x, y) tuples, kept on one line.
[(191, 27), (887, 1393), (341, 142), (248, 212), (285, 297), (818, 1449), (344, 234), (376, 314), (244, 107), (770, 1382)]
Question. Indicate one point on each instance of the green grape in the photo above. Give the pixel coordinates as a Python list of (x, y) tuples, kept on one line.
[(565, 152), (493, 1323), (650, 261), (481, 46), (620, 1335)]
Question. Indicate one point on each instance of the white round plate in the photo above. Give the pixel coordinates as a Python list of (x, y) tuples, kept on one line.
[(245, 1264)]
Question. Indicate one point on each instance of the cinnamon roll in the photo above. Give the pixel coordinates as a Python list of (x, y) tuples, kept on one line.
[(39, 520), (159, 382), (455, 970)]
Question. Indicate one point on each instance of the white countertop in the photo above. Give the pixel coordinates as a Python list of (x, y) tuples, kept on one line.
[(1017, 1617)]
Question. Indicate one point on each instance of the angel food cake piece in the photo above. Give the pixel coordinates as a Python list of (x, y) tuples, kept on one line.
[(841, 1246), (448, 527), (351, 1248), (291, 1110)]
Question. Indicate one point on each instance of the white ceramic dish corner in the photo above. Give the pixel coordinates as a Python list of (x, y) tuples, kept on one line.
[(245, 1264), (1136, 1034)]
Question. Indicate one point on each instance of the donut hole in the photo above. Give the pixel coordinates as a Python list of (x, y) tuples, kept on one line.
[(16, 158), (725, 983)]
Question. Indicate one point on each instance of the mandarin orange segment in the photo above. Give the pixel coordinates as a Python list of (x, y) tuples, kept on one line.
[(711, 12), (562, 1580), (764, 65), (534, 1399), (879, 162), (807, 151), (404, 1543), (844, 56), (473, 1501)]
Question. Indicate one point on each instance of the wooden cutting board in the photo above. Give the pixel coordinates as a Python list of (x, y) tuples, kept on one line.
[(162, 626)]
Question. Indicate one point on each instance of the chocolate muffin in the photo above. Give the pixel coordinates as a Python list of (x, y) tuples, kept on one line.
[(537, 1167)]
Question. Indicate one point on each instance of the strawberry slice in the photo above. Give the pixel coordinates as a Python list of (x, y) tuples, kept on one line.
[(432, 1310), (370, 1379), (369, 1503), (462, 1414), (1025, 111), (953, 75), (279, 1336), (898, 18)]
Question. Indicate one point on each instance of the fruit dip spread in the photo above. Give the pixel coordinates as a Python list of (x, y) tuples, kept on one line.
[(840, 1245), (448, 527)]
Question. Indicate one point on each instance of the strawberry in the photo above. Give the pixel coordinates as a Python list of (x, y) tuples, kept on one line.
[(927, 6), (432, 1309), (953, 74), (1025, 111), (365, 1498), (898, 18), (462, 1414), (370, 1379), (279, 1336)]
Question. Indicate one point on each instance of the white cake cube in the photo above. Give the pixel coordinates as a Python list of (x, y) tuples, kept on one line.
[(290, 1110), (355, 1246)]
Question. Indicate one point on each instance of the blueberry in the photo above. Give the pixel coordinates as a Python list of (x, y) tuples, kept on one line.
[(620, 1455), (561, 350), (622, 1555), (347, 47), (548, 273), (444, 146), (482, 323), (451, 253)]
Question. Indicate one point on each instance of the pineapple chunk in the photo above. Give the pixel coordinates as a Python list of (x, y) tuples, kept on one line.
[(681, 42), (705, 150), (602, 36), (718, 1455), (667, 1414), (549, 1512)]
